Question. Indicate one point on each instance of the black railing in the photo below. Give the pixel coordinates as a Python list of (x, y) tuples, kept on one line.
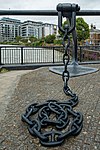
[(30, 55), (89, 53), (48, 12)]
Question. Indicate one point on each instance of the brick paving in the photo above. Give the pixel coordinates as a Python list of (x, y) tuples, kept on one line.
[(40, 85)]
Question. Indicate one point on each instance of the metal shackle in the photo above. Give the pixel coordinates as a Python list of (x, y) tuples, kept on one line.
[(67, 7)]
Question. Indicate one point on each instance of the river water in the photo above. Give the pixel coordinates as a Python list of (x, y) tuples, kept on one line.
[(12, 55)]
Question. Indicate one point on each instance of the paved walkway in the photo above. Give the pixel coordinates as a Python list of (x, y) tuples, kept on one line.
[(41, 85), (8, 82)]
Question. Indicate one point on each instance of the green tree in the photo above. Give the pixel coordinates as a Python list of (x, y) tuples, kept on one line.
[(38, 42), (32, 39), (50, 38), (57, 42), (24, 40), (65, 22), (82, 29), (18, 39)]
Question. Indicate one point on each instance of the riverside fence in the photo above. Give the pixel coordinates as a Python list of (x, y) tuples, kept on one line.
[(30, 55), (12, 55)]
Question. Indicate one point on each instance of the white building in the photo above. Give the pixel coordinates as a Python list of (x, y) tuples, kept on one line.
[(37, 29), (31, 28), (9, 29), (49, 29)]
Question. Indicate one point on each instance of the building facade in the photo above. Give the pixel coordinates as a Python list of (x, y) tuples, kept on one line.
[(94, 35), (49, 29), (9, 29), (37, 29), (31, 28)]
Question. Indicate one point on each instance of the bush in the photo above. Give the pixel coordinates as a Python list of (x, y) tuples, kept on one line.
[(57, 42), (3, 70), (50, 38)]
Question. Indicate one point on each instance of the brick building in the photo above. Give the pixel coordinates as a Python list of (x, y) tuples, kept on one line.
[(94, 35)]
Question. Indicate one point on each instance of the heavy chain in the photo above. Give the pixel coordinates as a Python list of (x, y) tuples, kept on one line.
[(66, 59), (58, 115), (54, 121)]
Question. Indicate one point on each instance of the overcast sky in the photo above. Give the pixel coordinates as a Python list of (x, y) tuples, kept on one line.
[(49, 5)]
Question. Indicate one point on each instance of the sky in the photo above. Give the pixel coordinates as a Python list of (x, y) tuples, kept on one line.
[(49, 5)]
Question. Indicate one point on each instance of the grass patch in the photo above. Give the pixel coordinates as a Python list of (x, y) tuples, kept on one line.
[(3, 70)]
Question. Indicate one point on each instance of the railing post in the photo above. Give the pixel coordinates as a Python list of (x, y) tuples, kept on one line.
[(80, 54), (21, 55), (53, 55), (0, 56)]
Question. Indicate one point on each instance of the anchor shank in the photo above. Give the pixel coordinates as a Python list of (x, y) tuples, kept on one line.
[(74, 51)]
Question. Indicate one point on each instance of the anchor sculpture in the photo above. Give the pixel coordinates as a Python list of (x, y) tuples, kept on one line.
[(74, 68), (54, 121)]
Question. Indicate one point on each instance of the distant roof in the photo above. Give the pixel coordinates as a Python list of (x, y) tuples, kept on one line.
[(40, 23), (94, 30), (9, 19), (32, 21), (49, 24), (27, 21)]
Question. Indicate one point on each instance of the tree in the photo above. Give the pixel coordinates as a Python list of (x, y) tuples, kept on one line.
[(32, 39), (18, 39), (57, 42), (82, 29), (65, 22), (50, 38), (24, 40)]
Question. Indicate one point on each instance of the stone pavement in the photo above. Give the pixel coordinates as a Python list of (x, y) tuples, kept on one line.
[(38, 86), (8, 82)]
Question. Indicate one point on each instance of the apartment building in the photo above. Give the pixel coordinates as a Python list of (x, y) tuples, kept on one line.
[(37, 29), (49, 29), (9, 29), (31, 28)]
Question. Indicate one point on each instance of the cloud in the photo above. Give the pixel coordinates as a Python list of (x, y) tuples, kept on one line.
[(33, 4), (46, 4), (90, 4)]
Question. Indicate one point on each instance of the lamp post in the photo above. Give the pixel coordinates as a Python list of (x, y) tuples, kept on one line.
[(95, 38), (83, 35)]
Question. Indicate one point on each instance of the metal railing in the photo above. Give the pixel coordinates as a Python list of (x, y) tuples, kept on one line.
[(10, 55), (89, 53), (30, 55), (47, 12)]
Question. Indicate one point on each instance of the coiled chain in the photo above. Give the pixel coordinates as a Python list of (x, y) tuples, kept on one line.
[(53, 121)]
